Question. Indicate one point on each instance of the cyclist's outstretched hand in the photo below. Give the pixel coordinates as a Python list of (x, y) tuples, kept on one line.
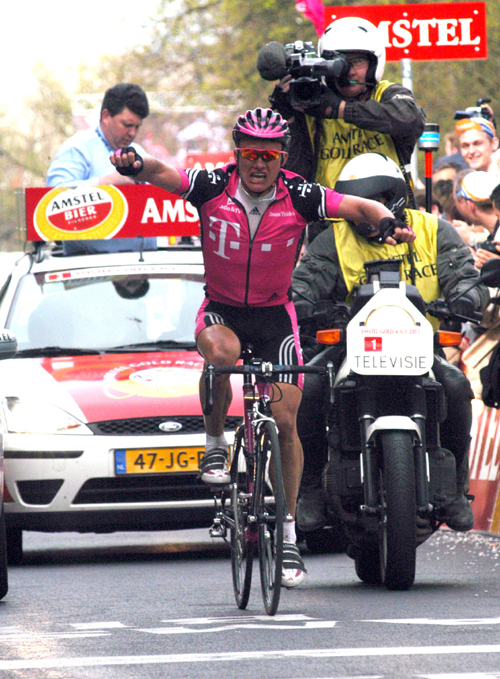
[(390, 230), (127, 161), (393, 230), (373, 220)]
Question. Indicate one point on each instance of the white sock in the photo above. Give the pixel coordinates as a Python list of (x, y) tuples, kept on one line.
[(215, 442), (289, 532)]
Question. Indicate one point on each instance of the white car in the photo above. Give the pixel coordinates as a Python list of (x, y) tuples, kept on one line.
[(7, 349), (102, 424)]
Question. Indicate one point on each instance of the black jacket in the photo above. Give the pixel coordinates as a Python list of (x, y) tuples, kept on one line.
[(396, 114)]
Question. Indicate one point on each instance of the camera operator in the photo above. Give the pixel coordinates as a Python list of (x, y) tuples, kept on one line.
[(356, 111)]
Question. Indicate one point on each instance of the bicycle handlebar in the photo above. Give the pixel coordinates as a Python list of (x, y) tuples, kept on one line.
[(263, 370)]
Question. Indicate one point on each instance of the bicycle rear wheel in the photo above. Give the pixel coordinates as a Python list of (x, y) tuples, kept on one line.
[(270, 516), (243, 539)]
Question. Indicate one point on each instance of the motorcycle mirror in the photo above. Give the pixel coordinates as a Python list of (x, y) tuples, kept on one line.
[(490, 273)]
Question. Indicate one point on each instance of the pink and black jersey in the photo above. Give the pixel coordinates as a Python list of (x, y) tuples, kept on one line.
[(239, 270)]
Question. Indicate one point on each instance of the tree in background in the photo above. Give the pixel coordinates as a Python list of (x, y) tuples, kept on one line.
[(200, 68)]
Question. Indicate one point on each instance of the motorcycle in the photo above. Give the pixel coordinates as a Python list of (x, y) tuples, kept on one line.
[(388, 477)]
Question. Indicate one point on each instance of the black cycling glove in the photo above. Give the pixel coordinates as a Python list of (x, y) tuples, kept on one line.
[(386, 228), (130, 170), (388, 225)]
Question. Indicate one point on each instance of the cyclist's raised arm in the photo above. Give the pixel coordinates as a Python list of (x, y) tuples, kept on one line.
[(364, 212), (129, 163)]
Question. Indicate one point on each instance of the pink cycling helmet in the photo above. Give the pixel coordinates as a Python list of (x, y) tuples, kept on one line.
[(263, 123)]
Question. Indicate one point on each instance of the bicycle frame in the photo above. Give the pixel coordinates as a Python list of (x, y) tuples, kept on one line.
[(248, 516)]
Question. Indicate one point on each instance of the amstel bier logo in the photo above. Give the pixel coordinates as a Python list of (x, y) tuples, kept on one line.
[(81, 213)]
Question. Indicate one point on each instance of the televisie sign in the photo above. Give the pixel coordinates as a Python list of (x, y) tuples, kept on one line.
[(425, 32)]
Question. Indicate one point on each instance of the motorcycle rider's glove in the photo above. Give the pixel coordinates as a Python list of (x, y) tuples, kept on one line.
[(463, 306), (328, 106), (129, 170)]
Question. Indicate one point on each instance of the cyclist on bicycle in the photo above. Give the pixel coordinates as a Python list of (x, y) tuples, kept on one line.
[(252, 215)]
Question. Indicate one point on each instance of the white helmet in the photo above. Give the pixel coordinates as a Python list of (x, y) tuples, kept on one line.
[(352, 34), (373, 174)]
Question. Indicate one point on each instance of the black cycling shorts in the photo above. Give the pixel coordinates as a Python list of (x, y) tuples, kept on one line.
[(272, 331)]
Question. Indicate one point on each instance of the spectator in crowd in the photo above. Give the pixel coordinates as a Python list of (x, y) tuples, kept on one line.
[(473, 199), (436, 209), (358, 111), (452, 152), (442, 188), (83, 159), (478, 142)]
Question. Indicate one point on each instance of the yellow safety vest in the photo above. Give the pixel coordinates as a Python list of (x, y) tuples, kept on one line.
[(341, 141), (353, 251)]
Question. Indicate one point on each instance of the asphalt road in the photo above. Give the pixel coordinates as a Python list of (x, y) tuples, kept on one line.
[(147, 605)]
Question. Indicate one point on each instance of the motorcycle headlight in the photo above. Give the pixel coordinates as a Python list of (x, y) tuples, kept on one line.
[(25, 417)]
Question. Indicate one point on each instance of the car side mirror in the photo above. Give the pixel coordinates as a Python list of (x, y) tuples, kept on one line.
[(8, 344)]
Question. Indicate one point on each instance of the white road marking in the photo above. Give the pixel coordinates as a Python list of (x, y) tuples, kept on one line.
[(446, 621), (46, 663), (466, 675), (317, 624), (184, 625), (97, 625), (11, 636), (285, 617)]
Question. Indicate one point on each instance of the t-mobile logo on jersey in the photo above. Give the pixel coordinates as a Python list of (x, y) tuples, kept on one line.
[(222, 233)]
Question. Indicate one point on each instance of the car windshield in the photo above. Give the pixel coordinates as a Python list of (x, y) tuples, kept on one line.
[(83, 309)]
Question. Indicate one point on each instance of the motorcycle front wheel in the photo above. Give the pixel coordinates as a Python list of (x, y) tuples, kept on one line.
[(397, 532)]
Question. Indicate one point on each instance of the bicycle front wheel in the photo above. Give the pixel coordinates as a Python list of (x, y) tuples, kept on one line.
[(270, 516), (243, 538)]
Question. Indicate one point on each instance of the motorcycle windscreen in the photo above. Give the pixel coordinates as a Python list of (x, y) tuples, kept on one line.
[(389, 336)]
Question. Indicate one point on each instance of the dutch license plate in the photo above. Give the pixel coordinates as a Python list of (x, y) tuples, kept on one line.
[(158, 460)]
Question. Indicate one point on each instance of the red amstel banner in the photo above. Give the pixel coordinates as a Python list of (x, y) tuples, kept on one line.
[(425, 32), (101, 212), (208, 161)]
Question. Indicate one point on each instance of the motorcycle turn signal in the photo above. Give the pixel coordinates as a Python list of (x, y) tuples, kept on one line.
[(332, 336), (447, 338)]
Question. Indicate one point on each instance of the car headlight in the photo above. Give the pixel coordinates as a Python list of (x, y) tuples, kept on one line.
[(29, 417)]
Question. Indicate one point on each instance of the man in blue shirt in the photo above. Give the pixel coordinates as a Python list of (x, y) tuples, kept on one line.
[(84, 157)]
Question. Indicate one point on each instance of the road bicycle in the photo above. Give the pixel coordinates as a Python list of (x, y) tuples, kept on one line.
[(250, 507)]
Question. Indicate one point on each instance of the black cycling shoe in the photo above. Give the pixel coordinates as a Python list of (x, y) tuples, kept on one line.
[(311, 510), (458, 514)]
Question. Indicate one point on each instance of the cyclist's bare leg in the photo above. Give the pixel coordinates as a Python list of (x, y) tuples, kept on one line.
[(220, 346), (292, 459)]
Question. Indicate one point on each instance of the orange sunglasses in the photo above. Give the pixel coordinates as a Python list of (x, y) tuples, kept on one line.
[(267, 155)]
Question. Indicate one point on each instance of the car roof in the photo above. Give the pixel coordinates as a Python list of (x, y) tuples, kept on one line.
[(55, 261)]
